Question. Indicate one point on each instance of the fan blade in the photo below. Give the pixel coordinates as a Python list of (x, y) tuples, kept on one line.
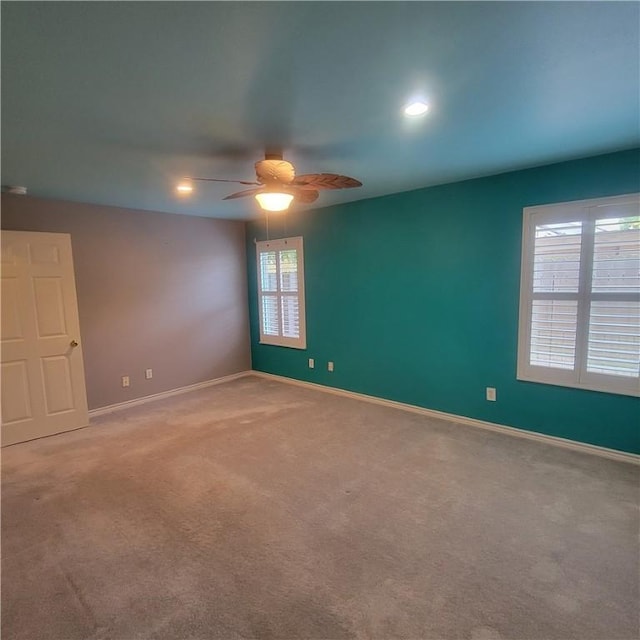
[(305, 196), (220, 180), (243, 194), (325, 181)]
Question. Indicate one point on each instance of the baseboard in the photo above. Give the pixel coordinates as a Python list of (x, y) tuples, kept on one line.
[(604, 452), (166, 394)]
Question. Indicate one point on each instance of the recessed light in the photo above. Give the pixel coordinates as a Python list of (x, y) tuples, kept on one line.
[(416, 109), (184, 187), (17, 191)]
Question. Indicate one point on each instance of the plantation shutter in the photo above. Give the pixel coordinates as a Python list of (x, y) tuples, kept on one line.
[(580, 295), (614, 321), (281, 292), (556, 275), (269, 298)]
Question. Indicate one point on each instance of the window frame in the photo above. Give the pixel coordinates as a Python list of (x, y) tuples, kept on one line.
[(578, 377), (278, 245)]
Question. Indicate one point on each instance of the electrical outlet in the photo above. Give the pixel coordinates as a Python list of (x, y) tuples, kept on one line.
[(312, 363), (329, 366), (148, 374), (125, 381), (491, 394)]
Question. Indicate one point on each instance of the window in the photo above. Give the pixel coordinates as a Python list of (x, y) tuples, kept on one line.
[(281, 292), (580, 295)]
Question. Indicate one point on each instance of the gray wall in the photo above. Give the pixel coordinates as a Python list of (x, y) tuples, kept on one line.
[(155, 290)]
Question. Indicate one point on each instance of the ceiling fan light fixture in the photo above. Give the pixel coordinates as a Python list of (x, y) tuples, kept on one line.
[(273, 200)]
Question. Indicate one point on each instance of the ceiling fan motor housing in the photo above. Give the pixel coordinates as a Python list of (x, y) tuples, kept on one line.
[(275, 171)]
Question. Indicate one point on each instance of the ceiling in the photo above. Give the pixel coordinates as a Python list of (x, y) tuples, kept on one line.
[(112, 102)]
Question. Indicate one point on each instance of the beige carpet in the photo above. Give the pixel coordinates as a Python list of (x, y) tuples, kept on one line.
[(260, 510)]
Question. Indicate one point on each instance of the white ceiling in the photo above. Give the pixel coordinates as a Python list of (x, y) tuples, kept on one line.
[(112, 102)]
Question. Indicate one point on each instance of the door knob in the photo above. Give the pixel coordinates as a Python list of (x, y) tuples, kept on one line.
[(73, 343)]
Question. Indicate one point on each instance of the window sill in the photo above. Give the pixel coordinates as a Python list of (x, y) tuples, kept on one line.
[(300, 347), (616, 389)]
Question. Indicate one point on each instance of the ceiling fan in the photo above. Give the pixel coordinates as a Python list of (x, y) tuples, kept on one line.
[(277, 184)]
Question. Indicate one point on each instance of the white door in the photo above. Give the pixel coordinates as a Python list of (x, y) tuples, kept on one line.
[(43, 390)]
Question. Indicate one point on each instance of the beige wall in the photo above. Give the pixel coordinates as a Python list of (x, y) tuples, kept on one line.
[(155, 290)]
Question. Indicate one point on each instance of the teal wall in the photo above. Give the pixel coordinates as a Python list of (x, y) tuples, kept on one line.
[(415, 298)]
